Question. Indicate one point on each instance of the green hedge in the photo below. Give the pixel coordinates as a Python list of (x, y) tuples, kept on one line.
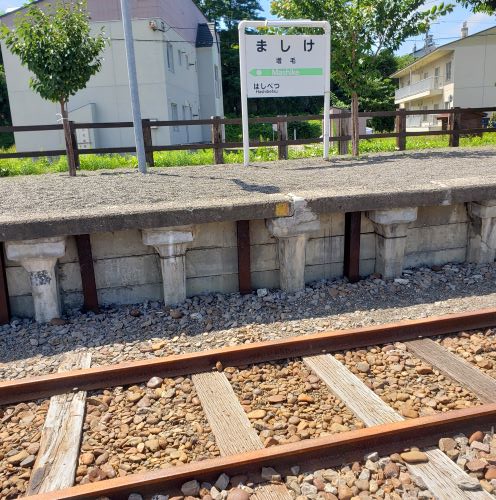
[(263, 131)]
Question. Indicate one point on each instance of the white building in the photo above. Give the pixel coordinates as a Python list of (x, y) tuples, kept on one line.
[(179, 76), (461, 73)]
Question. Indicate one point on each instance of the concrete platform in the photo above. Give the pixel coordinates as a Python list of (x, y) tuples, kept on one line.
[(172, 234), (54, 205)]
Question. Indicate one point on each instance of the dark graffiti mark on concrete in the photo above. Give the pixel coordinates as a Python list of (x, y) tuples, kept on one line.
[(39, 278)]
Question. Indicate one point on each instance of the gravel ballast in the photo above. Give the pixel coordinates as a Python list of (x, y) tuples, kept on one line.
[(478, 348), (410, 386), (20, 433), (287, 403), (149, 330), (475, 454), (130, 422), (145, 427)]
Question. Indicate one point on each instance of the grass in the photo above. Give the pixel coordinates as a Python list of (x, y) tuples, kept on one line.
[(26, 166)]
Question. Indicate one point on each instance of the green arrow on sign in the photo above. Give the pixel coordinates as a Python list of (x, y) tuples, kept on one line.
[(287, 72)]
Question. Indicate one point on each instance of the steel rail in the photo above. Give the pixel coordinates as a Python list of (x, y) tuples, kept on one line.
[(132, 372), (331, 450)]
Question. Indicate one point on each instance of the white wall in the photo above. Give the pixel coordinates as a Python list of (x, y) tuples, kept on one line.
[(109, 90), (211, 101), (475, 70)]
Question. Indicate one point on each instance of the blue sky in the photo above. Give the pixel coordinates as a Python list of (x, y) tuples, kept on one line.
[(446, 30)]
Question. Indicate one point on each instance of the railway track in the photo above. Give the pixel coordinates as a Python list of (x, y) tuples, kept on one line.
[(216, 379)]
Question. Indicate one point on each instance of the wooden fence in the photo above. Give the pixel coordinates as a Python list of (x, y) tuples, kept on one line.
[(342, 120)]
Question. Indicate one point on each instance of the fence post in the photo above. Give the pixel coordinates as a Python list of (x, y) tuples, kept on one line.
[(282, 135), (74, 143), (400, 129), (217, 140), (147, 139), (454, 139), (343, 130)]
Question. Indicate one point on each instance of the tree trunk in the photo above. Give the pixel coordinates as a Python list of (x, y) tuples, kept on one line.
[(355, 127), (71, 160)]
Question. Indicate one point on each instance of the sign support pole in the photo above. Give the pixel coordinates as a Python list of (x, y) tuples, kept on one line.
[(327, 94), (243, 72)]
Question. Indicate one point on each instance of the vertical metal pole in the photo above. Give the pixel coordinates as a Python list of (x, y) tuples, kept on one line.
[(327, 92), (133, 85), (244, 94)]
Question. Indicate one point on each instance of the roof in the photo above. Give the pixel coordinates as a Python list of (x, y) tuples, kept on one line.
[(183, 16), (437, 53), (204, 36)]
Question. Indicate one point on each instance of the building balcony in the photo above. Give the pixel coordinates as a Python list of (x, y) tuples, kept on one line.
[(418, 90), (419, 123)]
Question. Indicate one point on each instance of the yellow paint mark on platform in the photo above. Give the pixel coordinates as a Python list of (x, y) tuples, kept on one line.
[(282, 209)]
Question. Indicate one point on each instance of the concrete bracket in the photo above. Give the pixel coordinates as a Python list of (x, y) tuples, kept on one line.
[(481, 247), (171, 244), (391, 228), (292, 234), (303, 220), (39, 258)]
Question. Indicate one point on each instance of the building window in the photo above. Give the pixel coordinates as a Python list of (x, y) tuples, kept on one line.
[(217, 81), (426, 75), (180, 57), (174, 116), (170, 57), (448, 71)]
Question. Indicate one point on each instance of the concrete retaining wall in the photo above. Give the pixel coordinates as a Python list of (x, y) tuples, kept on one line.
[(127, 271)]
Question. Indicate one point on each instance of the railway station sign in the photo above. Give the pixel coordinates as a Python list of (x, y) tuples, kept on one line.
[(273, 65), (285, 66)]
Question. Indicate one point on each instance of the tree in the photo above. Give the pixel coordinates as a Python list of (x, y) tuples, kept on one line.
[(361, 31), (6, 139), (404, 61), (227, 14), (55, 44), (486, 6)]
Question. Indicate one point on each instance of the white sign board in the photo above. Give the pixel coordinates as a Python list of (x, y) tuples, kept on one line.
[(285, 66)]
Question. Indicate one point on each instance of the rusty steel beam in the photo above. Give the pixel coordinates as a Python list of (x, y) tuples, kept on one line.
[(139, 371), (244, 256), (329, 450), (4, 291), (83, 243), (352, 225)]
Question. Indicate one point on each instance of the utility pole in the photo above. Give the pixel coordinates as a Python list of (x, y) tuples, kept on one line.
[(133, 85)]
